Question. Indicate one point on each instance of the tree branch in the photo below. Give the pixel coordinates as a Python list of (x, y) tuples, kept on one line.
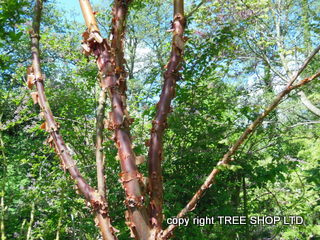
[(171, 76), (196, 8), (35, 77), (227, 157), (308, 103)]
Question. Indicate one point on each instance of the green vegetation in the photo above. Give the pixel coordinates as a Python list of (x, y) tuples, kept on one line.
[(238, 56)]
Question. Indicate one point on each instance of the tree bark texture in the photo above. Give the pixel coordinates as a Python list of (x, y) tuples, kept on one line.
[(35, 77), (171, 76), (110, 61), (109, 54)]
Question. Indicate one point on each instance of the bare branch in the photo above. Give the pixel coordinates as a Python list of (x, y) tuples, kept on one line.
[(227, 157), (304, 123)]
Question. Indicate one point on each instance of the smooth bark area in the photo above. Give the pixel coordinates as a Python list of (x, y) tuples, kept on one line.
[(171, 76), (100, 115), (35, 77)]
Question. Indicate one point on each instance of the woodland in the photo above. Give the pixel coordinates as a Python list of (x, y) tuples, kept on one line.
[(118, 116)]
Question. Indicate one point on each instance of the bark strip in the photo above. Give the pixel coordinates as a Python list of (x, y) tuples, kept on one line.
[(227, 157), (171, 76), (35, 77), (110, 61)]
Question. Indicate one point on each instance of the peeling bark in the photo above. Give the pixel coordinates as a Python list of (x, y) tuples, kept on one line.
[(35, 77), (171, 76), (227, 157), (110, 61)]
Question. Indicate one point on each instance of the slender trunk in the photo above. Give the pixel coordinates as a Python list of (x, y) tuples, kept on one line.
[(29, 233), (99, 143), (3, 181), (22, 230), (245, 207), (3, 234), (74, 235), (171, 76), (59, 225), (36, 78), (235, 192)]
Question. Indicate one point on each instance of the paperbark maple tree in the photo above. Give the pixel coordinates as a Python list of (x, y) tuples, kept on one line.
[(144, 213)]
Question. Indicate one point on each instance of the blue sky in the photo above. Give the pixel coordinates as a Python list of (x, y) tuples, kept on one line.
[(73, 7)]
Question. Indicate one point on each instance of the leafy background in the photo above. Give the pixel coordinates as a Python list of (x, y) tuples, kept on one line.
[(238, 56)]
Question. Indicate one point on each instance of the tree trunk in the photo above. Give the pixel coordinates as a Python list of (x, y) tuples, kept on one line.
[(171, 76)]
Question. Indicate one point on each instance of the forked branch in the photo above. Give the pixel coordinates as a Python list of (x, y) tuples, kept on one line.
[(110, 60)]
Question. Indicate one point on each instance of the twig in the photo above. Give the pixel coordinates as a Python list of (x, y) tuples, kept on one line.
[(195, 9)]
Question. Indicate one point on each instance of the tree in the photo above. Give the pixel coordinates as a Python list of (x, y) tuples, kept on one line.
[(144, 209)]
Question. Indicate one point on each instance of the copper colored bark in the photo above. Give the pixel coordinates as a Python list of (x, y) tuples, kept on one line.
[(171, 76), (110, 61), (35, 77)]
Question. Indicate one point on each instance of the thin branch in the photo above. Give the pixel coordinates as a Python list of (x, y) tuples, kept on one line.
[(225, 161), (195, 9), (304, 65), (265, 58), (35, 77), (304, 123), (171, 76)]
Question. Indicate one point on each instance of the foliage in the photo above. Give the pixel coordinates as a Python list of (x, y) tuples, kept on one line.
[(238, 56)]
